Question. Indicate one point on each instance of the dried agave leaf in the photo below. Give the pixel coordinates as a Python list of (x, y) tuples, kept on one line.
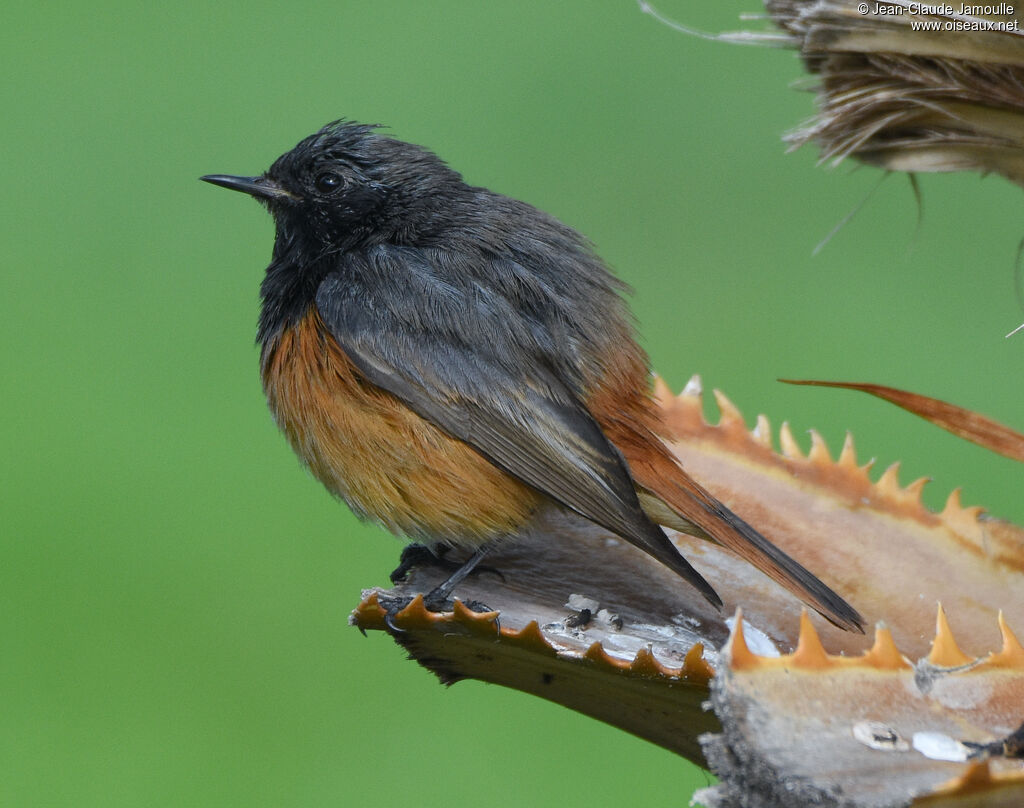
[(645, 657), (912, 733)]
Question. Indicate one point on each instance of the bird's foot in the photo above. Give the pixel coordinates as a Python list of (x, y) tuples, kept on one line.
[(434, 601), (418, 555), (437, 599), (421, 555)]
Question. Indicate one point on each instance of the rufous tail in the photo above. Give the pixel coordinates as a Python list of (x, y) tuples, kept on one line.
[(674, 499)]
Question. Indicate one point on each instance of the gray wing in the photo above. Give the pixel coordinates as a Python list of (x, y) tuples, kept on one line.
[(498, 396)]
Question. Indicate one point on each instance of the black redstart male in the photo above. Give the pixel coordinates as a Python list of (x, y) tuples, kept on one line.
[(450, 361)]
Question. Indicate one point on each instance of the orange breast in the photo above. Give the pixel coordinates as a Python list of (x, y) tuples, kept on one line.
[(386, 462)]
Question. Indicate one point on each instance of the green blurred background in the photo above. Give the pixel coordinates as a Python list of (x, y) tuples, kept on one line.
[(175, 588)]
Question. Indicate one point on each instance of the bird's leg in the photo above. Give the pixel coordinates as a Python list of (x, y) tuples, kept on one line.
[(440, 593), (423, 555), (437, 599)]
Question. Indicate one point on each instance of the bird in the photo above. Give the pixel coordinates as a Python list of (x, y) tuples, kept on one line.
[(452, 362)]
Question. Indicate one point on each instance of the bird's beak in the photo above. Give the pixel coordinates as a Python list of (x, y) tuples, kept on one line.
[(262, 187)]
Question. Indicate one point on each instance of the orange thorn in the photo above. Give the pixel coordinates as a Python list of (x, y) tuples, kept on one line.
[(369, 614), (1011, 645), (370, 607), (945, 652), (694, 388), (848, 454), (414, 608), (963, 520), (689, 404), (790, 448), (889, 482), (1012, 653), (415, 615), (956, 509), (596, 653), (531, 635), (730, 414), (819, 449), (979, 773), (916, 487), (884, 654), (739, 654), (810, 653), (467, 615), (695, 666), (762, 431), (976, 778), (645, 664), (662, 392)]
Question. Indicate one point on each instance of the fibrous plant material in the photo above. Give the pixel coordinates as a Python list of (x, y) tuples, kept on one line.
[(904, 85), (911, 86)]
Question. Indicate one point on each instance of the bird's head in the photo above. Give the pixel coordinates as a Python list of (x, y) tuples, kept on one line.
[(348, 185)]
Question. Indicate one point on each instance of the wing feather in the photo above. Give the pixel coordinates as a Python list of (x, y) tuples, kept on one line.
[(502, 398)]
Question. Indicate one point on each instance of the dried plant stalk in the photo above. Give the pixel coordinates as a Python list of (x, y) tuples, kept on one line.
[(909, 91)]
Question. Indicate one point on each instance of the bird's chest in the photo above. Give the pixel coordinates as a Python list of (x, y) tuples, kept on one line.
[(383, 459)]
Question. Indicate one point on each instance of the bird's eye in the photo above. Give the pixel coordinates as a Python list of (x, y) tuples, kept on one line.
[(328, 181)]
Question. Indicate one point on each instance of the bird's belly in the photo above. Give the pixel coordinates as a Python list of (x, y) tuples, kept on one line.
[(384, 460)]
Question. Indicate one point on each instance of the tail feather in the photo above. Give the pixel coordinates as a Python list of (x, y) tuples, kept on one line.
[(672, 498), (659, 546), (635, 425)]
